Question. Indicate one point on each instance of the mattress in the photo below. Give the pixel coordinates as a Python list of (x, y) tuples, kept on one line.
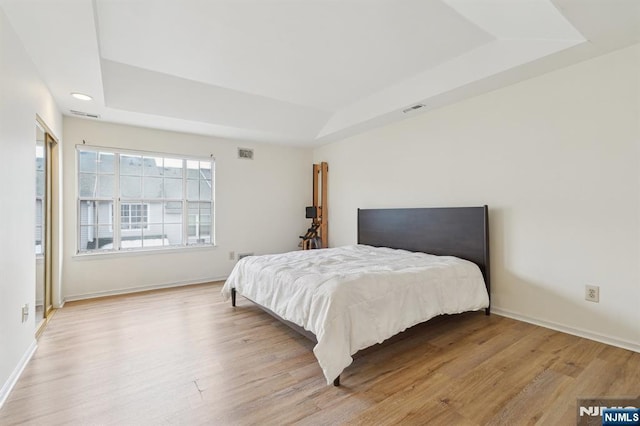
[(353, 297)]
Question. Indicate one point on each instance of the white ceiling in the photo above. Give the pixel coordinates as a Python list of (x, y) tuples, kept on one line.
[(301, 72)]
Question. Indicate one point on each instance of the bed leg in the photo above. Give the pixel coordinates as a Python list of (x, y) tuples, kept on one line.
[(487, 311), (233, 297), (336, 381)]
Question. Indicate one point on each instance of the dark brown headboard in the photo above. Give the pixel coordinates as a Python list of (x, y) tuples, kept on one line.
[(446, 231)]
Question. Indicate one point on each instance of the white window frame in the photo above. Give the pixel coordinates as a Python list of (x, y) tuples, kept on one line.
[(117, 201)]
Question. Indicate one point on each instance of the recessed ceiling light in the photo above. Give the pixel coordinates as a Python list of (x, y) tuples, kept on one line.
[(82, 96)]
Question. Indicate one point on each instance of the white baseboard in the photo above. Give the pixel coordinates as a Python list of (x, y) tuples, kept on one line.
[(621, 343), (17, 372), (84, 296)]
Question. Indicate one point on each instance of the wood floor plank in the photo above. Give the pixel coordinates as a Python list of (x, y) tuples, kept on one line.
[(184, 356), (528, 405)]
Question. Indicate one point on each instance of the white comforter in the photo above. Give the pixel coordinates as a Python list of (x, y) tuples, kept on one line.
[(356, 296)]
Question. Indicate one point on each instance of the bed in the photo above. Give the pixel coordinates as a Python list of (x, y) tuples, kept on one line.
[(409, 266)]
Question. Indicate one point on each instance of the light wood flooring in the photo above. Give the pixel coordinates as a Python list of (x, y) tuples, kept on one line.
[(183, 356)]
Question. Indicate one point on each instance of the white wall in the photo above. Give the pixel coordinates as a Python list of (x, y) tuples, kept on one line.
[(22, 96), (259, 208), (556, 158)]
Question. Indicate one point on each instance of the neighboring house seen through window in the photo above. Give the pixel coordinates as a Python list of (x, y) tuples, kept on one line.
[(134, 216), (161, 200)]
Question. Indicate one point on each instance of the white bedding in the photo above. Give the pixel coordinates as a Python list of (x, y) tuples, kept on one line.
[(356, 296)]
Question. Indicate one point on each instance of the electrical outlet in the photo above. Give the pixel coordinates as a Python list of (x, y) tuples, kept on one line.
[(232, 255), (592, 293), (25, 312)]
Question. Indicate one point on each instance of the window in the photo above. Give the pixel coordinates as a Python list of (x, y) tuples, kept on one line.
[(134, 216), (129, 200)]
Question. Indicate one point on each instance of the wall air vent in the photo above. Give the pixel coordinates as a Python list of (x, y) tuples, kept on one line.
[(245, 153), (412, 108), (83, 114)]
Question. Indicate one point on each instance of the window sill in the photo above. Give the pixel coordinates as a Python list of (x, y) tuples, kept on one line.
[(140, 252)]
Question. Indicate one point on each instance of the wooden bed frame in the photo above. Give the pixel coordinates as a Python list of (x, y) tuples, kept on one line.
[(446, 231)]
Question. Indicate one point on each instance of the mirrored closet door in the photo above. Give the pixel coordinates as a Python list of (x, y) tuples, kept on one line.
[(43, 149)]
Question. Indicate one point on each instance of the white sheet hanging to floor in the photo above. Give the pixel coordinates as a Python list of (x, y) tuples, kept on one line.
[(356, 296)]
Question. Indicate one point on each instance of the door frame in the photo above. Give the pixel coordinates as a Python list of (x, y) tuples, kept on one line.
[(50, 221)]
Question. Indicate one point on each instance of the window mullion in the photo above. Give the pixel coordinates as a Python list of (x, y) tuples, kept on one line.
[(140, 208), (116, 204), (78, 225), (213, 201), (185, 208)]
